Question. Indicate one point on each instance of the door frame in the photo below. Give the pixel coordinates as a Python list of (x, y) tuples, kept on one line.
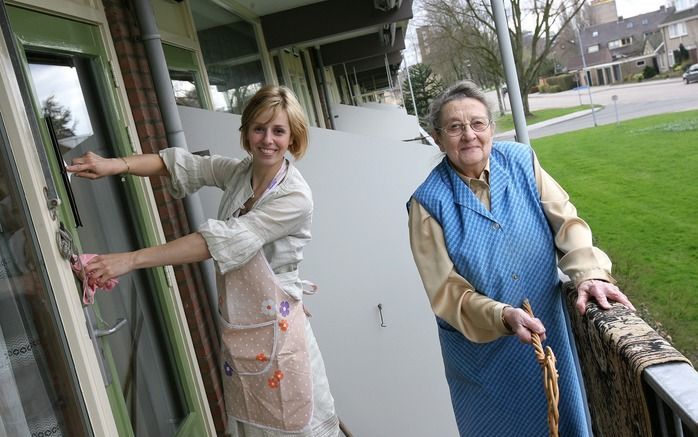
[(31, 180), (103, 416)]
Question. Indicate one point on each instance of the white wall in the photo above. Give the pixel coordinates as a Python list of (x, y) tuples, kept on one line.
[(386, 381), (388, 122)]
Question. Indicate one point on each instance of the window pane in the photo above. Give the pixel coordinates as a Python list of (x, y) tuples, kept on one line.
[(185, 90), (140, 353), (38, 385), (231, 55)]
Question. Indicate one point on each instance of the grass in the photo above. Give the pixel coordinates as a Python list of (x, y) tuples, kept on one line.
[(635, 185), (506, 122)]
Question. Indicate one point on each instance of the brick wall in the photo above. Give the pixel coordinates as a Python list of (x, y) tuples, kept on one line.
[(123, 26)]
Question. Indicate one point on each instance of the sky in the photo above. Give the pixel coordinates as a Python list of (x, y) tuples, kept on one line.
[(625, 8), (630, 8)]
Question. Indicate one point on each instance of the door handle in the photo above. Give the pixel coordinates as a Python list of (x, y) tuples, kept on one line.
[(95, 335), (102, 332), (380, 311)]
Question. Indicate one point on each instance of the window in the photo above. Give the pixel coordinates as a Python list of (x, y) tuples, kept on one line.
[(677, 29), (184, 87), (620, 42), (595, 34), (185, 76), (231, 54), (629, 25), (36, 372), (593, 49), (640, 63), (645, 21)]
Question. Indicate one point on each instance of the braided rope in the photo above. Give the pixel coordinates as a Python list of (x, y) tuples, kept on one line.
[(547, 362)]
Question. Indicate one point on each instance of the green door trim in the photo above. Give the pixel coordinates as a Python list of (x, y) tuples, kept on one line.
[(42, 32)]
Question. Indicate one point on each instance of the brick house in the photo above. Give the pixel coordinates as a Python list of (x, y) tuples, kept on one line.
[(681, 27)]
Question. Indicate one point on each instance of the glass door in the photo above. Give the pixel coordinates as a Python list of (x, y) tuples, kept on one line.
[(38, 386), (298, 82), (131, 326)]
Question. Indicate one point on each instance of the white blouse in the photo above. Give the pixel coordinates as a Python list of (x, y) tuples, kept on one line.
[(279, 222)]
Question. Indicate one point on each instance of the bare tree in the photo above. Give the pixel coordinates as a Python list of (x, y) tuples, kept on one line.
[(534, 27), (61, 117)]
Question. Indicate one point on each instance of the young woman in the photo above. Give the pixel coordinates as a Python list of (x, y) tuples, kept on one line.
[(273, 373)]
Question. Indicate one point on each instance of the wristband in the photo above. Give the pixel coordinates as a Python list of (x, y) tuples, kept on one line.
[(128, 167)]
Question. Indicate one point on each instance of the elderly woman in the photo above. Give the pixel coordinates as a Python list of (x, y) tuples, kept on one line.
[(486, 228)]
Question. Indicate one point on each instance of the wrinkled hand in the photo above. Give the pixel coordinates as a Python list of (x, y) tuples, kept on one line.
[(102, 268), (602, 292), (92, 166), (523, 325)]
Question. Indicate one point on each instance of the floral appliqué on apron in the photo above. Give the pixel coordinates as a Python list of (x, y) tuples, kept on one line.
[(267, 379)]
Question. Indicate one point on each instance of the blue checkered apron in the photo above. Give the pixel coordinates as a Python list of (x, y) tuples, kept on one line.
[(508, 254)]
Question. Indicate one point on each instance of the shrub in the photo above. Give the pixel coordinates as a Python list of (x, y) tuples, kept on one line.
[(562, 81), (637, 77), (550, 89), (649, 72)]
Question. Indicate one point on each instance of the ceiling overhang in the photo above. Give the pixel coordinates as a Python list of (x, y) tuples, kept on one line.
[(374, 79), (329, 21), (367, 64), (355, 49)]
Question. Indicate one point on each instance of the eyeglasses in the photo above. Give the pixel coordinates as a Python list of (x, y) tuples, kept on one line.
[(457, 129)]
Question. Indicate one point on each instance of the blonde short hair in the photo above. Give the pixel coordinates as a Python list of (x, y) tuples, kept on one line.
[(277, 98)]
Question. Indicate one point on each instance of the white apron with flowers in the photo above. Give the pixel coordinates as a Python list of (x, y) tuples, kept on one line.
[(267, 379)]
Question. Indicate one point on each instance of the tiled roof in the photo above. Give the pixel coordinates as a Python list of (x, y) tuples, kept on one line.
[(636, 28), (680, 16)]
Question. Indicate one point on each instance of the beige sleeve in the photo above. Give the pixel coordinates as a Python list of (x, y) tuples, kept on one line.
[(580, 259), (452, 298)]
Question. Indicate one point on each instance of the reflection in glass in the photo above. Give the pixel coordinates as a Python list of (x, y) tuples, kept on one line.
[(63, 102), (184, 87), (38, 386), (231, 54), (139, 352)]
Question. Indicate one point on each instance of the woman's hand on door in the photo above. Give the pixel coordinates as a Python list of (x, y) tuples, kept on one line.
[(92, 166), (102, 268)]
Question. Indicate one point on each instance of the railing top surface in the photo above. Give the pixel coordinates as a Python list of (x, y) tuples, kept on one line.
[(677, 385)]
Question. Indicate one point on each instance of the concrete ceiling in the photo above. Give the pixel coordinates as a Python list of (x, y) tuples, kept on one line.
[(266, 7), (344, 30)]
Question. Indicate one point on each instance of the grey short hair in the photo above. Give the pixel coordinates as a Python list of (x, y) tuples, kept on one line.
[(459, 90)]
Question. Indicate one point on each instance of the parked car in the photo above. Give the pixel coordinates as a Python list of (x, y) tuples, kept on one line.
[(691, 74)]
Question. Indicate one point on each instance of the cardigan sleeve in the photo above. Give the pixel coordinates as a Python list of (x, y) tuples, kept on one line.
[(190, 172), (580, 259)]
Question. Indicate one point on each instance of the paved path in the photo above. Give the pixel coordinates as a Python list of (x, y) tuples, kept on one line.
[(633, 100)]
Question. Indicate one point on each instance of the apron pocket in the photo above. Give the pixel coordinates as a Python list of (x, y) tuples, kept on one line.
[(248, 349)]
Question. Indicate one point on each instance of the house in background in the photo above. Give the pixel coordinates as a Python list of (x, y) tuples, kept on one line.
[(681, 27), (614, 51)]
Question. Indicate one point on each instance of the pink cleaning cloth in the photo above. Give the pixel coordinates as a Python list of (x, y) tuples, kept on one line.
[(89, 286)]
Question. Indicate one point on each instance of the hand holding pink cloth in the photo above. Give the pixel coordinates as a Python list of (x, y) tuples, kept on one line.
[(89, 286)]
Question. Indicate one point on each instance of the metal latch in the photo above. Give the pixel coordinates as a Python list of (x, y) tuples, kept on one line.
[(95, 335), (64, 241)]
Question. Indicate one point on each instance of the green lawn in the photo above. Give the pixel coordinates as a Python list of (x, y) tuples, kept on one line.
[(506, 122), (637, 186)]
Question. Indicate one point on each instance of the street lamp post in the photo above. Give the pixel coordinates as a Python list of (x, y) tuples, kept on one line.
[(584, 71)]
